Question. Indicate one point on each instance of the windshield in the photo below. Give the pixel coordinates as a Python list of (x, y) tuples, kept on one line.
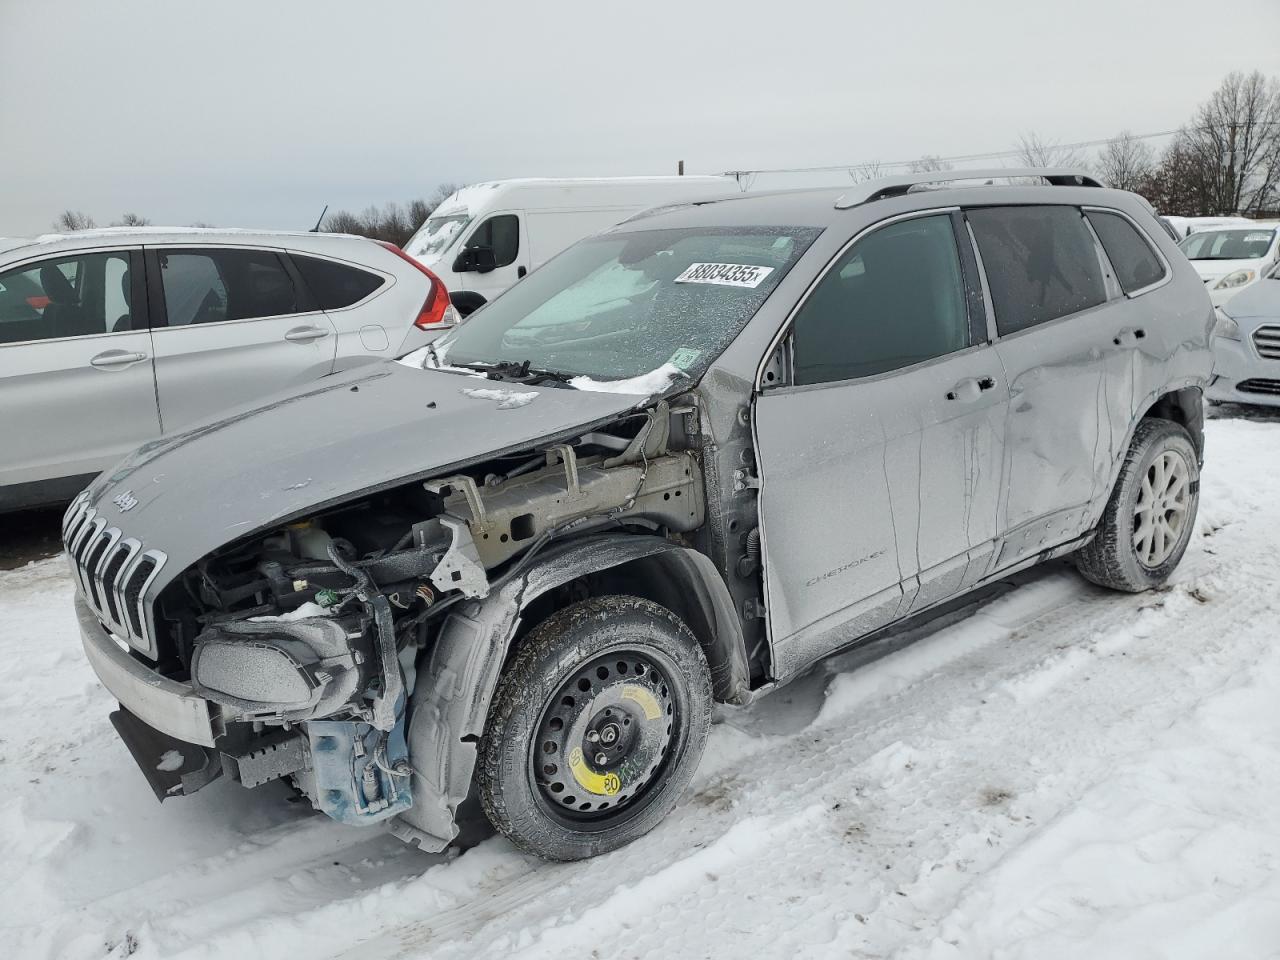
[(1228, 244), (623, 305), (435, 236)]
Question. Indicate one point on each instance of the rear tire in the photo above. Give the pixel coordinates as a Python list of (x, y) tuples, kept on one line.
[(1148, 521), (596, 728)]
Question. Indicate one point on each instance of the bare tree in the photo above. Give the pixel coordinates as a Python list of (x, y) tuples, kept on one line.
[(929, 163), (1178, 184), (1126, 162), (391, 222), (71, 220), (342, 222), (419, 210), (1035, 151), (1235, 140), (443, 192), (866, 171), (131, 220)]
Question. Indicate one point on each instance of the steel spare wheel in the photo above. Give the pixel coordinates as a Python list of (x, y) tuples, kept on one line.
[(604, 736)]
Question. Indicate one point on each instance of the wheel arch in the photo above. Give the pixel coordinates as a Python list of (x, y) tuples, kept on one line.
[(1181, 402), (454, 685), (466, 302), (1184, 406)]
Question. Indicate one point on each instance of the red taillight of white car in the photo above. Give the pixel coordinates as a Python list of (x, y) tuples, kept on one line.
[(437, 312)]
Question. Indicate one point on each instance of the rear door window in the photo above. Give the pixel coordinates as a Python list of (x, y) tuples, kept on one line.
[(1041, 263), (1135, 263), (894, 299), (209, 286), (335, 285), (78, 296), (502, 233)]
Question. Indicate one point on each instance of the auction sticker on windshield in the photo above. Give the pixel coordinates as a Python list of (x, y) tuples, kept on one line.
[(684, 358), (725, 274)]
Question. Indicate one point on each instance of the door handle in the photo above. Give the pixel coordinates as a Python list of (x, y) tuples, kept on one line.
[(305, 334), (520, 272), (1129, 336), (116, 358), (970, 388)]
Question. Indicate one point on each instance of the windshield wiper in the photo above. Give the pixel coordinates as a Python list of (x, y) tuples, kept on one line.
[(518, 371)]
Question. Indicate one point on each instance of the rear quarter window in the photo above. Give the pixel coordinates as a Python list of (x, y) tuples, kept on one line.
[(1135, 263), (1041, 263), (335, 285)]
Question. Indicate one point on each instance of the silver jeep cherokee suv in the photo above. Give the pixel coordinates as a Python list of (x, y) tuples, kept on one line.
[(676, 465)]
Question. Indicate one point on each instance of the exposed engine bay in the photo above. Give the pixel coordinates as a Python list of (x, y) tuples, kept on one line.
[(307, 636)]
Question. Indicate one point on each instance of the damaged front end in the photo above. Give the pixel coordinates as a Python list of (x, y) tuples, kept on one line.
[(304, 641)]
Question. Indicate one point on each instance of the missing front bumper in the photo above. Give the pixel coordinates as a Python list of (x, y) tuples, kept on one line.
[(173, 768)]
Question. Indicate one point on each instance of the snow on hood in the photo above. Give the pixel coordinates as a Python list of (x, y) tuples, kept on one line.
[(506, 399), (645, 385), (432, 357)]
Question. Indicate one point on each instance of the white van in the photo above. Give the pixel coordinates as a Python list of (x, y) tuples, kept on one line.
[(485, 237)]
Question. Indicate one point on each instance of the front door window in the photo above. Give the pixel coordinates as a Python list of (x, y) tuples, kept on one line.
[(79, 296)]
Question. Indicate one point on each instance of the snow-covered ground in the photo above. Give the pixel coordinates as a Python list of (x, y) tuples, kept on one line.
[(1066, 773)]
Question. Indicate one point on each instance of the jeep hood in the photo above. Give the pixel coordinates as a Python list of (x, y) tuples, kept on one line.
[(335, 439)]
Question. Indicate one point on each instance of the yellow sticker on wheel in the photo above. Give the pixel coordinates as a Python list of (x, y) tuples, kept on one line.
[(601, 784), (644, 697)]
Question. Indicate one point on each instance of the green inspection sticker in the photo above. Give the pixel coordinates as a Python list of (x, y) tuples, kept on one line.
[(685, 357)]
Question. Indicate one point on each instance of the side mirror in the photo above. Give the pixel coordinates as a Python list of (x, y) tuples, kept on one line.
[(478, 259)]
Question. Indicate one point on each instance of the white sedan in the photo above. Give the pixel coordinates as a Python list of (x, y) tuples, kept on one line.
[(1228, 260)]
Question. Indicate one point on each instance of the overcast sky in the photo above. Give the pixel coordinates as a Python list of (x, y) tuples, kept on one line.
[(259, 112)]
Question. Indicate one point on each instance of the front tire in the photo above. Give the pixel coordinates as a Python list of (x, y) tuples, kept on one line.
[(1149, 519), (596, 728)]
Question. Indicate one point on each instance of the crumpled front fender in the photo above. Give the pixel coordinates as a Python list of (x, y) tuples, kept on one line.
[(456, 684)]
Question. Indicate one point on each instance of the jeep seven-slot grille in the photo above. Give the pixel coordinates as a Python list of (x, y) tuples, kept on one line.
[(113, 572), (1267, 340)]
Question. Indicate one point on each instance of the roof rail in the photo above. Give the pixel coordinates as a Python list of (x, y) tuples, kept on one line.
[(884, 187)]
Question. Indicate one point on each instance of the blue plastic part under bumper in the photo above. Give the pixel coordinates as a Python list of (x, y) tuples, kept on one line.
[(358, 780)]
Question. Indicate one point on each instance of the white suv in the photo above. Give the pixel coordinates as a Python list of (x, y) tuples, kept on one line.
[(112, 338)]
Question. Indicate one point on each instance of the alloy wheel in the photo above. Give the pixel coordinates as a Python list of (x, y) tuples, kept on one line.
[(1160, 515)]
